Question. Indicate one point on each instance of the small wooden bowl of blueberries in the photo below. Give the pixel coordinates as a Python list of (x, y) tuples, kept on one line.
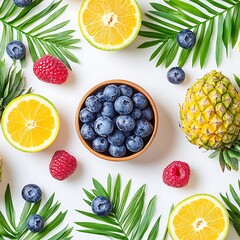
[(116, 120)]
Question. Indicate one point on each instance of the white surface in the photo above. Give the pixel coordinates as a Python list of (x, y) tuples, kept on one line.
[(170, 143)]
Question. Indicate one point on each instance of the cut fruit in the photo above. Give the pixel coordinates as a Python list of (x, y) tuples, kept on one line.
[(110, 24), (199, 217), (30, 123)]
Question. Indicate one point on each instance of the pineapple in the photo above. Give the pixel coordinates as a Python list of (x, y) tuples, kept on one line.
[(210, 118), (12, 85)]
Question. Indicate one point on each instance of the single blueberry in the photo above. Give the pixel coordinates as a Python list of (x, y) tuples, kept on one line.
[(22, 3), (103, 126), (101, 206), (147, 113), (139, 100), (143, 128), (87, 131), (125, 123), (93, 104), (123, 105), (108, 109), (16, 50), (86, 116), (126, 90), (136, 113), (31, 193), (100, 95), (111, 92), (116, 138), (176, 75), (117, 151), (100, 144), (186, 39), (35, 223), (134, 143)]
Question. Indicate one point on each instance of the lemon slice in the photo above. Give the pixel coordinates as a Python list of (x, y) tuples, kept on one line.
[(110, 24), (200, 217), (30, 123)]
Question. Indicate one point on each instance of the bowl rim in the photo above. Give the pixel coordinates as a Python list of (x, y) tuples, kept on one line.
[(136, 87)]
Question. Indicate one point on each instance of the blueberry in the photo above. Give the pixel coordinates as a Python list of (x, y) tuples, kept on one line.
[(117, 151), (87, 131), (100, 144), (139, 100), (31, 193), (100, 95), (127, 134), (134, 143), (99, 114), (93, 104), (176, 75), (126, 90), (22, 3), (143, 128), (111, 92), (136, 113), (186, 39), (101, 206), (123, 105), (116, 138), (16, 50), (125, 123), (103, 126), (108, 109), (35, 223), (147, 113), (86, 116)]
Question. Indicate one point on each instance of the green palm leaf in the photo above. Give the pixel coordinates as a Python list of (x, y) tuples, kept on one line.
[(200, 17), (129, 219), (40, 30), (10, 230)]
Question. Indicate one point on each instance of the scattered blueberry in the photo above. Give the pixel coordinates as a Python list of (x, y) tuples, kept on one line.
[(86, 116), (125, 123), (101, 206), (117, 151), (22, 3), (87, 131), (136, 113), (100, 95), (35, 223), (126, 90), (139, 100), (143, 128), (134, 143), (93, 104), (108, 109), (31, 193), (111, 92), (123, 105), (116, 138), (186, 39), (103, 126), (16, 50), (147, 113), (100, 144), (176, 75)]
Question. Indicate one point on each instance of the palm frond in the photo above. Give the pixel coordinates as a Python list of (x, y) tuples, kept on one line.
[(9, 229), (168, 19), (129, 219), (40, 30)]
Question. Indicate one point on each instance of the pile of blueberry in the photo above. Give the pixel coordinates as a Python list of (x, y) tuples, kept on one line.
[(117, 120)]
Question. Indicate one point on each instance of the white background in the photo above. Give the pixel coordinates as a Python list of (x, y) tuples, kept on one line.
[(170, 143)]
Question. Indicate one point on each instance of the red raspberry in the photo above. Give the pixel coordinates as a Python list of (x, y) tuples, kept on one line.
[(50, 69), (176, 174), (62, 165)]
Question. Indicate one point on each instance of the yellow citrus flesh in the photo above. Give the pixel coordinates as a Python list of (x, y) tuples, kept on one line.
[(30, 123), (110, 24), (200, 217)]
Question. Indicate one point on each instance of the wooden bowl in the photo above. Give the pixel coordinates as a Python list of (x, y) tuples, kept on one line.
[(147, 141)]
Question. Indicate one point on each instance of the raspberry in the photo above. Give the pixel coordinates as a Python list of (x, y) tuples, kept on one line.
[(50, 69), (176, 174), (62, 165)]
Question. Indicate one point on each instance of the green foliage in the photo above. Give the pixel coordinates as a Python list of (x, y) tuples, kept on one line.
[(129, 220), (202, 17), (9, 229), (40, 30)]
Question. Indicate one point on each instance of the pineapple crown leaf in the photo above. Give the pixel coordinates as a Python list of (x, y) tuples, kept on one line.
[(9, 229), (128, 219), (41, 32), (168, 19), (237, 79)]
